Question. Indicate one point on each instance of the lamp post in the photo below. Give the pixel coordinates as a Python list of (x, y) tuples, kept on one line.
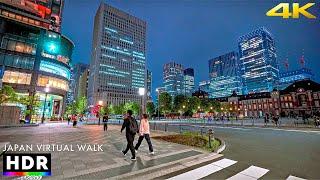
[(141, 93), (158, 103), (47, 89), (100, 103)]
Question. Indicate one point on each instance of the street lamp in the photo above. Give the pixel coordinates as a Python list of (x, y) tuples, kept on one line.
[(141, 93), (47, 89), (100, 103), (158, 103)]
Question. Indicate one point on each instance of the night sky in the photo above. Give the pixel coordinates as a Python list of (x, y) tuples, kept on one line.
[(192, 32)]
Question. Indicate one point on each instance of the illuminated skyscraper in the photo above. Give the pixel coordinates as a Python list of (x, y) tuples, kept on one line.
[(173, 77), (258, 61), (188, 81), (34, 54), (149, 85), (118, 62), (224, 75)]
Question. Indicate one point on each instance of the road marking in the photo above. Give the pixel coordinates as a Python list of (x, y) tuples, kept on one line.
[(253, 172), (205, 170), (294, 178)]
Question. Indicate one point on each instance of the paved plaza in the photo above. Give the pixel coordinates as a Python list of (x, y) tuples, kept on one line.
[(251, 153), (96, 165)]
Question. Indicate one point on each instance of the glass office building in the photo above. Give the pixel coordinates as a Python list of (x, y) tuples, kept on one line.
[(224, 75), (188, 81), (34, 54), (173, 78), (118, 62), (258, 61)]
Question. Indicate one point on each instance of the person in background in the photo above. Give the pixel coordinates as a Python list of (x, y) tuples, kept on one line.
[(144, 132), (69, 119), (105, 122), (74, 119), (131, 126)]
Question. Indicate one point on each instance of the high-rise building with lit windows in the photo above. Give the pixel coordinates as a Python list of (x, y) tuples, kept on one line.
[(34, 54), (259, 68), (173, 78), (188, 81), (118, 62), (224, 75), (149, 85)]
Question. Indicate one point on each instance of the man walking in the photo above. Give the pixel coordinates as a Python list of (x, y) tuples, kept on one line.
[(105, 122), (131, 126)]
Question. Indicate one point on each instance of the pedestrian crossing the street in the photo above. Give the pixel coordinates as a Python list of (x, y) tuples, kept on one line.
[(250, 173)]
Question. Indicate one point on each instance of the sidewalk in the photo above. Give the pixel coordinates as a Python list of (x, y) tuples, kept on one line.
[(107, 164)]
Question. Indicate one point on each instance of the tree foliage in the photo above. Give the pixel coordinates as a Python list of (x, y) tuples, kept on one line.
[(150, 108), (81, 105), (7, 94), (165, 102)]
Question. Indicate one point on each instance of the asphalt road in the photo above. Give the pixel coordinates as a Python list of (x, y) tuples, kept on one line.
[(283, 151)]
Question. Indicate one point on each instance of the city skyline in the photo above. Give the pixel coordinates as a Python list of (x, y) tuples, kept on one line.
[(190, 35)]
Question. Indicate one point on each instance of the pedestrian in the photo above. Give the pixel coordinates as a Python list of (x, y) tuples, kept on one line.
[(131, 126), (69, 119), (144, 132), (105, 119), (74, 119), (266, 119)]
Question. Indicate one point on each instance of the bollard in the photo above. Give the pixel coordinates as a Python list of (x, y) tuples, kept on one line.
[(165, 127), (210, 133), (180, 129), (154, 126)]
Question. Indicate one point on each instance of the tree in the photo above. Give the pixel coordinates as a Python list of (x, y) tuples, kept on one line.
[(31, 103), (71, 109), (165, 102), (178, 102), (7, 94), (81, 105), (118, 109), (150, 108), (134, 106), (193, 104)]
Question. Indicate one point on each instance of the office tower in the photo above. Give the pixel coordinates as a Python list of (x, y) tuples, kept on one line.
[(204, 86), (77, 70), (149, 85), (173, 78), (188, 81), (258, 61), (34, 54), (224, 75), (118, 62), (83, 84)]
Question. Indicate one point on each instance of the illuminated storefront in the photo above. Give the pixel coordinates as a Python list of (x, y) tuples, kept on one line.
[(34, 53)]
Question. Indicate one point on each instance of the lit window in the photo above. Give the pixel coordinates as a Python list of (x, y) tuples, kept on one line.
[(16, 77)]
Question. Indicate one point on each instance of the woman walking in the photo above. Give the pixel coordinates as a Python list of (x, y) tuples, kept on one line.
[(144, 132)]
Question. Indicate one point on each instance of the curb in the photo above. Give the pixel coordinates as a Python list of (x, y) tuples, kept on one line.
[(19, 125), (222, 146)]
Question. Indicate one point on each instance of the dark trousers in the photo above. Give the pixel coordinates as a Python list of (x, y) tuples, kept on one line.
[(147, 137), (105, 127), (130, 139)]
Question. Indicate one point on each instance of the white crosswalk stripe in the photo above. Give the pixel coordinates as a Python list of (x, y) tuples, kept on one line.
[(205, 170), (294, 178), (253, 172)]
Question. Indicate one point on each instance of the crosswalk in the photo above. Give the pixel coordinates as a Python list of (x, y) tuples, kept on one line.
[(250, 173)]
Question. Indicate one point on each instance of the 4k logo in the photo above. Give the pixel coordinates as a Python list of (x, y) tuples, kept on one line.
[(295, 13)]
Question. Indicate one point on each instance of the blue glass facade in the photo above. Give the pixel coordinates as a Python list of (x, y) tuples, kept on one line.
[(188, 81), (173, 77), (258, 61), (289, 77), (224, 75)]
